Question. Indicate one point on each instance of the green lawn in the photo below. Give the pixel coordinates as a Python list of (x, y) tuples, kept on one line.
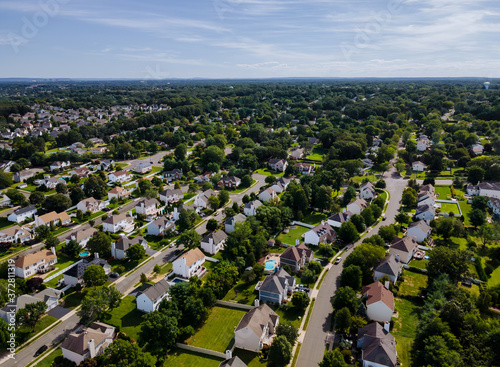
[(128, 265), (242, 293), (316, 154), (73, 299), (494, 277), (265, 171), (127, 317), (443, 192), (466, 208), (183, 358), (47, 361), (24, 333), (421, 264), (289, 315), (449, 207), (249, 358), (292, 235), (413, 283), (218, 331), (314, 218), (359, 179), (4, 223)]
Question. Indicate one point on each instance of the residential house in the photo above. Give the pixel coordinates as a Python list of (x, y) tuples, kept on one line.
[(428, 189), (34, 263), (423, 143), (88, 343), (418, 166), (91, 205), (201, 179), (274, 287), (81, 172), (476, 149), (231, 222), (489, 189), (304, 169), (357, 205), (367, 191), (123, 222), (98, 150), (14, 234), (59, 219), (233, 362), (120, 247), (296, 256), (178, 209), (171, 196), (119, 193), (280, 185), (22, 176), (368, 163), (231, 182), (74, 275), (213, 242), (5, 201), (404, 248), (278, 165), (250, 208), (390, 266), (119, 176), (143, 167), (59, 165), (149, 300), (425, 212), (379, 302), (49, 182), (419, 231), (322, 233), (494, 204), (82, 236), (268, 194), (313, 141), (424, 198), (48, 296), (256, 329), (296, 153), (337, 219), (21, 214), (190, 264), (201, 200), (378, 346), (106, 164), (147, 207), (159, 226), (174, 175)]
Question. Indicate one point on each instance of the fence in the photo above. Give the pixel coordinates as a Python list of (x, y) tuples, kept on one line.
[(302, 224), (451, 202), (61, 271), (235, 305), (201, 350)]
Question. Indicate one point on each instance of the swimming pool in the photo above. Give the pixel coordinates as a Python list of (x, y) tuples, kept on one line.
[(270, 264), (84, 254)]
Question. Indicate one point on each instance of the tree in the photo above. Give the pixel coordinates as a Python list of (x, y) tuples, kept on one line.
[(97, 302), (212, 224), (307, 277), (124, 353), (280, 352), (190, 239), (94, 276), (57, 202), (402, 218), (51, 241), (444, 260), (324, 198), (359, 222), (180, 152), (72, 248), (61, 188), (95, 187), (15, 196), (157, 269), (30, 314), (214, 202), (409, 197), (348, 232), (223, 197), (37, 198), (136, 252), (158, 332), (288, 331), (444, 227), (34, 284), (345, 297), (213, 154), (477, 217), (366, 256), (343, 320), (349, 195), (76, 195), (387, 233), (475, 174), (300, 301), (270, 180), (368, 216), (351, 276), (480, 202), (100, 243), (333, 359), (5, 180), (42, 233)]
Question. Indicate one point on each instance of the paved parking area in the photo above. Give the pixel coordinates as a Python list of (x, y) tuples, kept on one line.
[(59, 311)]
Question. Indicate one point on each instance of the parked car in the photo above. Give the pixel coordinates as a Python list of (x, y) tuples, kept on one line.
[(40, 350), (114, 275), (337, 260)]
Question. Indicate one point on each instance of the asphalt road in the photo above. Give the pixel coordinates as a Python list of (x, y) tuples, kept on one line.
[(313, 346)]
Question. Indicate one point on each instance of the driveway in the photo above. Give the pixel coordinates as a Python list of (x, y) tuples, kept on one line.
[(58, 312)]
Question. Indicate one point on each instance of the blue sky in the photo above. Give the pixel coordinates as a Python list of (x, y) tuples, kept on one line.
[(249, 38)]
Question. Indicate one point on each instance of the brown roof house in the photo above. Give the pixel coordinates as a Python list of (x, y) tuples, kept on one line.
[(404, 248), (90, 342), (59, 219), (379, 302), (37, 262), (296, 256), (256, 329), (378, 346)]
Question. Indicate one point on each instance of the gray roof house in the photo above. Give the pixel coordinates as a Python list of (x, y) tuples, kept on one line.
[(390, 266), (256, 329), (120, 247), (275, 287), (230, 222), (378, 346), (149, 300), (233, 362), (213, 242)]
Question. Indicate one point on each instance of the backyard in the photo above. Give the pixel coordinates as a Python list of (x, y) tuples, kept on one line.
[(242, 293), (316, 154), (184, 358), (265, 171), (450, 207), (443, 192), (127, 317), (249, 358), (218, 331), (314, 218), (292, 235)]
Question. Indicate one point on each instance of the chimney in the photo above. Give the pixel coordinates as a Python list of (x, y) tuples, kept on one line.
[(297, 242), (386, 284), (397, 258), (387, 326), (229, 354), (96, 255), (256, 303), (322, 222), (91, 348), (53, 250)]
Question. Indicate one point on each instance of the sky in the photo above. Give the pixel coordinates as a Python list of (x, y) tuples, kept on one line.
[(161, 39)]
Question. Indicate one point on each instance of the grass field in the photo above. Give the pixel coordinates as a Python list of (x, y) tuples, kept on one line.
[(242, 293), (218, 330), (316, 154), (449, 207), (251, 359), (443, 192), (314, 218), (265, 171), (421, 264), (47, 361), (184, 358), (127, 317), (292, 235), (73, 298), (466, 208), (25, 333), (494, 277), (289, 316)]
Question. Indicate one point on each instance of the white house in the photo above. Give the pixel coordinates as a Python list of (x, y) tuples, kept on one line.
[(404, 247), (88, 343), (149, 300), (322, 233), (91, 205), (256, 329), (418, 166), (278, 164), (250, 208), (422, 144), (49, 182), (59, 219), (119, 176), (357, 205), (147, 207), (59, 165), (143, 167), (23, 175), (174, 175), (120, 247), (494, 204), (390, 266), (367, 191), (159, 226), (34, 263), (80, 172), (337, 219), (118, 192), (280, 185), (419, 231), (201, 200), (190, 264), (213, 242), (14, 234), (117, 223), (231, 222), (106, 164), (489, 189), (82, 237), (5, 201), (171, 196), (379, 302), (21, 214), (304, 169), (425, 212), (275, 287), (424, 198), (268, 194)]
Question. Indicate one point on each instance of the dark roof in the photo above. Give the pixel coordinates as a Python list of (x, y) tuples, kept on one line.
[(78, 270), (489, 186), (389, 265), (237, 218), (339, 217), (156, 291), (258, 318), (233, 362), (217, 237), (25, 209), (256, 204), (406, 244), (124, 243), (275, 283)]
